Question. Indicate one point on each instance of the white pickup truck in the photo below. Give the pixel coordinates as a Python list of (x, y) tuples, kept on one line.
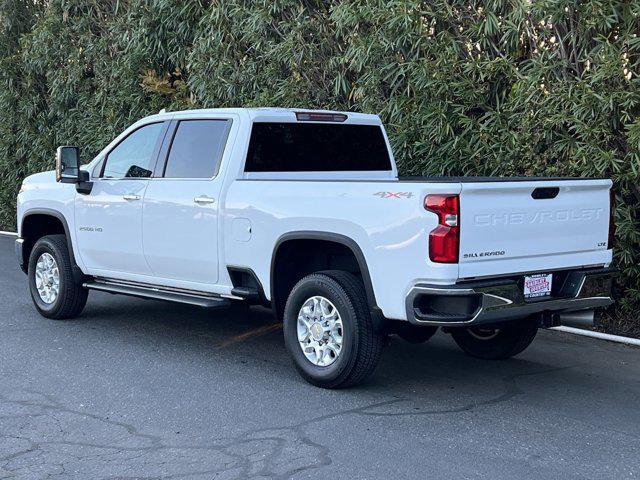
[(303, 211)]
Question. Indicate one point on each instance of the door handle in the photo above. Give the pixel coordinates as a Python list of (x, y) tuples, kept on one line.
[(203, 200), (131, 197)]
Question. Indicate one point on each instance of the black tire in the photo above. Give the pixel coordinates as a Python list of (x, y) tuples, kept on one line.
[(71, 297), (361, 345), (414, 333), (497, 342)]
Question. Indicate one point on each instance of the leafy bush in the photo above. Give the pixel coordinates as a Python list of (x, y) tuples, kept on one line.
[(495, 87)]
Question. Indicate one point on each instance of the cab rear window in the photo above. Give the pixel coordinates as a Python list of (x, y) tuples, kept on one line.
[(316, 147)]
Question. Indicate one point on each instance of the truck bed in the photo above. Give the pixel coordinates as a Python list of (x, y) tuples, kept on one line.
[(450, 179)]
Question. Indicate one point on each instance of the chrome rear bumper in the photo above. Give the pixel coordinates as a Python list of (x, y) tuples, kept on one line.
[(493, 301)]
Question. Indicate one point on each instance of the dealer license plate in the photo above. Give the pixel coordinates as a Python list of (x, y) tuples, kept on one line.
[(536, 286)]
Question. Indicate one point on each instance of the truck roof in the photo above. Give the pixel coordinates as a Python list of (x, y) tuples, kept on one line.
[(270, 114)]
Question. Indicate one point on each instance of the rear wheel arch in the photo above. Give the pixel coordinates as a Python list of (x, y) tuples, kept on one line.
[(280, 284)]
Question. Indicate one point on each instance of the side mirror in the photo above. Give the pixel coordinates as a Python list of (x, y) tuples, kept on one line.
[(68, 164), (68, 169)]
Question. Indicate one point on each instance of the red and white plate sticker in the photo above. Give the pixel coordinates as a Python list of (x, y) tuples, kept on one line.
[(537, 285)]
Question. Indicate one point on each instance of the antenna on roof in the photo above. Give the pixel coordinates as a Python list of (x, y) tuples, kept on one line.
[(164, 110)]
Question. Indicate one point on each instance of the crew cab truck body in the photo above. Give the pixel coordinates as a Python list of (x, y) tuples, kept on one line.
[(303, 211)]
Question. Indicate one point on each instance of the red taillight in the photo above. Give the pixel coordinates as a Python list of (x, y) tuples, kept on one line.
[(444, 240), (612, 223)]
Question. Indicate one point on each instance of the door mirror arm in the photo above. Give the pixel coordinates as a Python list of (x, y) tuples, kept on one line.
[(84, 184)]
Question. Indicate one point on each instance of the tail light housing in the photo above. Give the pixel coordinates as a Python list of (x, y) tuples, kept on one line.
[(444, 240), (612, 223)]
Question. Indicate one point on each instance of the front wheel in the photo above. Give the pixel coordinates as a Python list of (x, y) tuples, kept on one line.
[(54, 290), (496, 342), (329, 332)]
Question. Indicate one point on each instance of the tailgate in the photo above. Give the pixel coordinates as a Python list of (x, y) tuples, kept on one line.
[(513, 227)]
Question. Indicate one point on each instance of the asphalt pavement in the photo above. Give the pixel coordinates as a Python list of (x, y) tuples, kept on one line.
[(138, 389)]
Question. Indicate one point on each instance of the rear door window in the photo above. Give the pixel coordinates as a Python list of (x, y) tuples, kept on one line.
[(197, 148), (316, 147)]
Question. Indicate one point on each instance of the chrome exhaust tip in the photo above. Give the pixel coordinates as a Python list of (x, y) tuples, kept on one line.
[(580, 319)]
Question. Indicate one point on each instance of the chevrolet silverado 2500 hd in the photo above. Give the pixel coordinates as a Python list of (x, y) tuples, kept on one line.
[(303, 211)]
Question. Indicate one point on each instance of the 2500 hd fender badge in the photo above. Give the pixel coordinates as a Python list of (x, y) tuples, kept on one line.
[(497, 253), (90, 229)]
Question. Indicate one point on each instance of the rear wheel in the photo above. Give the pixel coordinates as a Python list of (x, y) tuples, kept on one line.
[(413, 333), (54, 290), (496, 342), (328, 330)]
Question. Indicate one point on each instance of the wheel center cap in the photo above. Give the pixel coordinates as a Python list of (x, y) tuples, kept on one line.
[(317, 331)]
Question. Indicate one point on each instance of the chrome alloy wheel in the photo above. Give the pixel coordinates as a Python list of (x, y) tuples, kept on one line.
[(47, 278), (320, 331)]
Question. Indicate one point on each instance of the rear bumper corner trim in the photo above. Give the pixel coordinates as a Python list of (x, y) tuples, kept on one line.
[(494, 301)]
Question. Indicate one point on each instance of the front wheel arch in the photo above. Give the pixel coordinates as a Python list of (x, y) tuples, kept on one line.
[(39, 222)]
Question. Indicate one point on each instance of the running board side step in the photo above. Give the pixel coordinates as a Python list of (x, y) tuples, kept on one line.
[(246, 293), (207, 301)]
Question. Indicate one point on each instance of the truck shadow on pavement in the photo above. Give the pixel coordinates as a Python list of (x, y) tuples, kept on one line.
[(45, 433), (237, 331)]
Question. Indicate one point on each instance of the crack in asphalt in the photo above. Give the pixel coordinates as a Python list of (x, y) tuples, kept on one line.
[(277, 452), (511, 390)]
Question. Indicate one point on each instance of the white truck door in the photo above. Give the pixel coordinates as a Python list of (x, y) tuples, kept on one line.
[(180, 219), (109, 219)]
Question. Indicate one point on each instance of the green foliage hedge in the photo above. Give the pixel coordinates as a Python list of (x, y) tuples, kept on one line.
[(503, 87)]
